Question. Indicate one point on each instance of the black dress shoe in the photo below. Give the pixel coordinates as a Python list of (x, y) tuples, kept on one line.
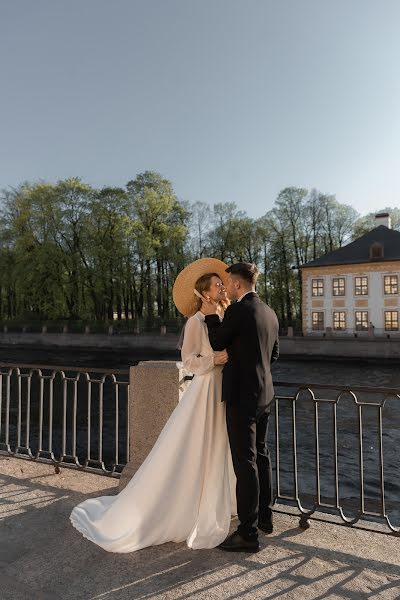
[(236, 543), (266, 526)]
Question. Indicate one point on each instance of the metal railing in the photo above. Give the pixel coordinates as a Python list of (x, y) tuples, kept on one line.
[(157, 325), (67, 416), (335, 449), (328, 479), (349, 332)]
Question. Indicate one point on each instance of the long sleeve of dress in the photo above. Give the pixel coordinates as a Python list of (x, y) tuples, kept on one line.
[(192, 360)]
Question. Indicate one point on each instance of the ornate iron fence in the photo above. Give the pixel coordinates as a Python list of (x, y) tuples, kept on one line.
[(66, 416), (335, 449), (327, 460)]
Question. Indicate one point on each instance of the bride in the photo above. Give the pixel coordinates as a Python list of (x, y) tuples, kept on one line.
[(185, 489)]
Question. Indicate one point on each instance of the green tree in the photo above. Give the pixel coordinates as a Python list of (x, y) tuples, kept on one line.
[(104, 252), (337, 225), (159, 223)]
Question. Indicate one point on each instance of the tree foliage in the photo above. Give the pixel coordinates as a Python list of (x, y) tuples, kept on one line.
[(71, 251), (366, 223)]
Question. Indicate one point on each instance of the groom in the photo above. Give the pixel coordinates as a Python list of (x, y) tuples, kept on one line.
[(249, 332)]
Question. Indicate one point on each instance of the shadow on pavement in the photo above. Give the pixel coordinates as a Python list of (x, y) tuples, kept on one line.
[(43, 557)]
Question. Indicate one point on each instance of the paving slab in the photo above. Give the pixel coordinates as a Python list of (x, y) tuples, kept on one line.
[(42, 557)]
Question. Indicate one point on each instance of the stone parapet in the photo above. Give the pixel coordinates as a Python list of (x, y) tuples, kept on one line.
[(334, 347), (153, 395)]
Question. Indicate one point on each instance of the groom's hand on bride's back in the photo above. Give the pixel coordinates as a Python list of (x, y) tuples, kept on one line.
[(221, 358)]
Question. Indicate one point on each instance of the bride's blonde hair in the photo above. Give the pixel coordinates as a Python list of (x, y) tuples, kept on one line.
[(203, 284)]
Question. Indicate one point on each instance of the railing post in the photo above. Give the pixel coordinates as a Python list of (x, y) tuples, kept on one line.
[(153, 395)]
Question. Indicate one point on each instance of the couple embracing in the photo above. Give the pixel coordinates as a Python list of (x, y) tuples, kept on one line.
[(211, 459)]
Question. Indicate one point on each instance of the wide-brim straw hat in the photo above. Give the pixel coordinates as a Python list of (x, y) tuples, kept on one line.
[(183, 294)]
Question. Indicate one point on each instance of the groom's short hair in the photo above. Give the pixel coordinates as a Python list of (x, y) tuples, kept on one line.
[(246, 271)]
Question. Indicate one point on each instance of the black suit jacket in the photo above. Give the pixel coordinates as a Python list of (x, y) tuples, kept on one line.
[(249, 332)]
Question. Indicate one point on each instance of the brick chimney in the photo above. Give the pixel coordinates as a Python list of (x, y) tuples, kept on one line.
[(383, 219)]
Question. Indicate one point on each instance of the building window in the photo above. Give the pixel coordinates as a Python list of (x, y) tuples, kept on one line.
[(338, 286), (390, 284), (361, 320), (339, 321), (391, 320), (361, 286), (317, 287), (317, 321)]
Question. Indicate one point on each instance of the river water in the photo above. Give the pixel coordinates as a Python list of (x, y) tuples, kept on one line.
[(330, 372), (368, 373)]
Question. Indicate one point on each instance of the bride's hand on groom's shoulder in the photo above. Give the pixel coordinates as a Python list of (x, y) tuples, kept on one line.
[(221, 358)]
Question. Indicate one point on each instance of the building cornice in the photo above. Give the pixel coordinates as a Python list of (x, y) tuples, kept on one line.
[(374, 266)]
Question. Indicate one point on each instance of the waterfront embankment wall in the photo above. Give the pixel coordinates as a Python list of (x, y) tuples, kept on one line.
[(350, 348)]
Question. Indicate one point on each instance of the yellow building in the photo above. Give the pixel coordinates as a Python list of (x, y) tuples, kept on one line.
[(355, 289)]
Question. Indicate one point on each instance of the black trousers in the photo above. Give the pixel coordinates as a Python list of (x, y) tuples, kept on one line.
[(252, 465)]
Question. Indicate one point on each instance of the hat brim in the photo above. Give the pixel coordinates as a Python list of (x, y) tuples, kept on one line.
[(182, 293)]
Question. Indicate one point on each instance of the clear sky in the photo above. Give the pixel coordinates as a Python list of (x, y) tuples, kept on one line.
[(232, 100)]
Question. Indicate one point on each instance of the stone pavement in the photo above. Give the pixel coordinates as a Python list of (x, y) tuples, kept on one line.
[(43, 558)]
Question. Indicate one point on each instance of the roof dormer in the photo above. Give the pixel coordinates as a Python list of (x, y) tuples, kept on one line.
[(376, 250)]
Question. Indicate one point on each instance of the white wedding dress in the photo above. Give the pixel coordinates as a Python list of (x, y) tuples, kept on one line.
[(185, 489)]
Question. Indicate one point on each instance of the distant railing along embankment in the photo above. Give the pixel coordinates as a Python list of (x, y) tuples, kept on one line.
[(115, 327)]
